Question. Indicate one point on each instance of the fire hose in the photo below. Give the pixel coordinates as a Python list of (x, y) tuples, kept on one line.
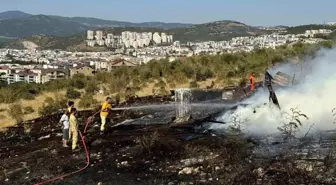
[(89, 120)]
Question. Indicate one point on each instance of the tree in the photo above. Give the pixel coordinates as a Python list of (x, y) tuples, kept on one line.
[(87, 101), (15, 112), (71, 93), (51, 106), (91, 86)]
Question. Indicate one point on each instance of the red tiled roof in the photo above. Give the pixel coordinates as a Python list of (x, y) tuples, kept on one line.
[(4, 67), (122, 60)]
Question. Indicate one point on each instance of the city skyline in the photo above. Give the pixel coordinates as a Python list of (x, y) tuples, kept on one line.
[(256, 13)]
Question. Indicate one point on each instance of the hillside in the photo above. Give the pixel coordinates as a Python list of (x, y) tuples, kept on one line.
[(20, 24), (302, 28), (13, 15), (73, 43), (219, 30), (100, 23), (39, 24)]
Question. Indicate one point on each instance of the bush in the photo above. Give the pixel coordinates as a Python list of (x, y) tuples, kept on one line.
[(79, 81), (71, 93), (52, 106), (193, 84), (117, 98), (91, 87), (228, 67), (130, 92), (28, 110), (87, 101), (18, 91), (56, 85), (15, 112)]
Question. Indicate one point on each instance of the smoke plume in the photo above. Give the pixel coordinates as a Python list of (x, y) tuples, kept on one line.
[(314, 96)]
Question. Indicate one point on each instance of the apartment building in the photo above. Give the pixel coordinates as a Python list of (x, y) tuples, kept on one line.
[(99, 35), (86, 70), (53, 74), (90, 34), (112, 64), (4, 70), (35, 75), (23, 76), (127, 39)]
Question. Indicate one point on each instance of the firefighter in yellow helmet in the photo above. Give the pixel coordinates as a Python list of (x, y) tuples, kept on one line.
[(105, 109), (73, 128)]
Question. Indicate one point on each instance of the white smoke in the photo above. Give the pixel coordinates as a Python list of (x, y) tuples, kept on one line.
[(314, 96)]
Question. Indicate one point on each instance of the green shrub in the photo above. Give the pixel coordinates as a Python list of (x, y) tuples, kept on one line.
[(130, 92), (15, 112), (71, 93), (193, 84), (56, 85), (226, 67), (91, 87), (87, 101), (28, 110), (52, 106), (79, 81), (117, 98)]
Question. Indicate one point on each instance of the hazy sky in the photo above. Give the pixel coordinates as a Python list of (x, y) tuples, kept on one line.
[(253, 12)]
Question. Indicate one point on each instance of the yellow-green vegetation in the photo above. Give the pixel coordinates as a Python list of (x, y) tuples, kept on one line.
[(156, 77)]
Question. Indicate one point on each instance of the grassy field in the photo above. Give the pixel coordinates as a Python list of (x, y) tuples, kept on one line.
[(7, 121)]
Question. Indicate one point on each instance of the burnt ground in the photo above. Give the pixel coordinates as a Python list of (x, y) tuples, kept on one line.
[(145, 155)]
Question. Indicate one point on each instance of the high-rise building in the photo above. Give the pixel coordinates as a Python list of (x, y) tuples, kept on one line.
[(170, 38), (90, 34), (157, 38), (163, 38), (110, 36), (99, 35)]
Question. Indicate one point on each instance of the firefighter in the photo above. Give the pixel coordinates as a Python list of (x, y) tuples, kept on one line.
[(252, 81), (71, 104), (105, 109), (73, 128)]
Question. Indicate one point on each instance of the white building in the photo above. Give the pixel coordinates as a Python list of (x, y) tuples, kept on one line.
[(91, 43), (157, 38), (170, 38), (90, 35), (176, 43), (99, 35), (163, 38), (23, 76), (100, 42)]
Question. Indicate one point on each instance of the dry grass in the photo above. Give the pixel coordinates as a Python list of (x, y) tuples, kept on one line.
[(6, 121)]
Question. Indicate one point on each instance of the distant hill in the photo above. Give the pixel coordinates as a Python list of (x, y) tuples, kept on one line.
[(56, 32), (215, 31), (20, 24), (39, 24), (13, 15), (100, 23), (302, 28)]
